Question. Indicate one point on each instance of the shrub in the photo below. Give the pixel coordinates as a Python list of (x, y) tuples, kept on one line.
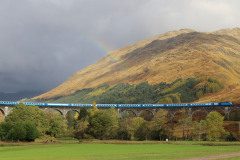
[(19, 131)]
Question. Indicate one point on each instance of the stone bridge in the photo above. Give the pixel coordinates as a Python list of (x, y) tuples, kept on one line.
[(195, 110)]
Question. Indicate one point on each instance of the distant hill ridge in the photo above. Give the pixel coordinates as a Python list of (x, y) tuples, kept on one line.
[(174, 55)]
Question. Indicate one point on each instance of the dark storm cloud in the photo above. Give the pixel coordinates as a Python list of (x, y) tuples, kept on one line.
[(42, 42)]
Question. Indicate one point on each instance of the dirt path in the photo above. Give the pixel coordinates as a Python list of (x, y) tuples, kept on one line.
[(220, 156)]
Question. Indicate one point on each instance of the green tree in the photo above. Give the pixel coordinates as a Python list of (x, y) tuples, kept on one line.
[(34, 121), (166, 99), (92, 111), (199, 130), (83, 115), (104, 124), (81, 129), (19, 131), (31, 131), (134, 125), (23, 113), (124, 131), (159, 125), (143, 132), (185, 123), (24, 124), (57, 125), (214, 126)]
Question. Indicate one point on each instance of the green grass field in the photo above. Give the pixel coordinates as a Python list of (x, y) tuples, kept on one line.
[(98, 151)]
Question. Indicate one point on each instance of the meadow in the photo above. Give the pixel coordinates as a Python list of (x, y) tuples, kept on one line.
[(114, 151)]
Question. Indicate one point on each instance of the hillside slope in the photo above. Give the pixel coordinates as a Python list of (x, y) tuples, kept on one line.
[(166, 58)]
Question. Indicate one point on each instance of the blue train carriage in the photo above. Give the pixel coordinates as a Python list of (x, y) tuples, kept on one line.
[(192, 105), (211, 104), (129, 106), (83, 105), (68, 105), (8, 103), (170, 105), (188, 105), (227, 104), (80, 105), (106, 105), (35, 104)]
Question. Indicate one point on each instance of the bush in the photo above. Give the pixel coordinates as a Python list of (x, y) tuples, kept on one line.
[(28, 123), (123, 134), (19, 131), (46, 139), (31, 131)]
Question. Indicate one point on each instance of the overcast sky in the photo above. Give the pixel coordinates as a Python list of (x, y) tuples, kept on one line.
[(43, 42)]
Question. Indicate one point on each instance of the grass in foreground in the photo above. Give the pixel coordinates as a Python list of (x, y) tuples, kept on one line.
[(98, 151)]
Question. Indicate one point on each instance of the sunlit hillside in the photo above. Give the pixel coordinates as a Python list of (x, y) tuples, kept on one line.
[(165, 58)]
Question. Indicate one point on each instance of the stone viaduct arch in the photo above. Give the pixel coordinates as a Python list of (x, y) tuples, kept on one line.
[(146, 114), (199, 114), (126, 113), (234, 115), (73, 113), (2, 115), (53, 110), (2, 111)]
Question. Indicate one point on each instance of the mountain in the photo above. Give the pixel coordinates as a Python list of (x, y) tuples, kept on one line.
[(168, 58), (16, 96)]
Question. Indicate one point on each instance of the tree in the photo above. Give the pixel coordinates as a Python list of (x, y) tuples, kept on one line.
[(19, 131), (92, 111), (31, 131), (82, 123), (24, 124), (165, 99), (199, 130), (104, 124), (134, 125), (128, 127), (124, 130), (159, 125), (83, 115), (143, 132), (23, 113), (214, 126), (57, 125), (185, 123), (81, 129)]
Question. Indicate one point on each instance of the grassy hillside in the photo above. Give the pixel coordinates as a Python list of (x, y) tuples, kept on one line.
[(165, 58)]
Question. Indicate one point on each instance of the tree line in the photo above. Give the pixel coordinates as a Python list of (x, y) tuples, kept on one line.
[(29, 123), (179, 91)]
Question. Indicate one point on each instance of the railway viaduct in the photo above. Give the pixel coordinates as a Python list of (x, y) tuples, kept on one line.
[(227, 109)]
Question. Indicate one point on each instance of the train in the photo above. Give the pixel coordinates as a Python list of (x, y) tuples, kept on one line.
[(173, 105)]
